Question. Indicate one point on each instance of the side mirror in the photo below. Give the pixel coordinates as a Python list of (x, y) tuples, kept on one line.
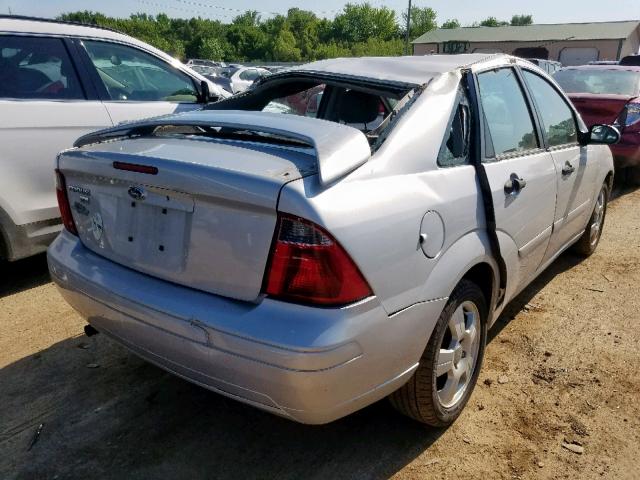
[(205, 95), (604, 134)]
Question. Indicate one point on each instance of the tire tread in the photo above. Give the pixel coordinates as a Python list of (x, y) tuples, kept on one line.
[(415, 399)]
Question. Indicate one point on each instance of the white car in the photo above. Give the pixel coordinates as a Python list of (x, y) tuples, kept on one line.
[(59, 81), (244, 77)]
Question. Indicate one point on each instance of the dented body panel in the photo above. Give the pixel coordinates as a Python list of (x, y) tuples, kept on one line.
[(412, 226)]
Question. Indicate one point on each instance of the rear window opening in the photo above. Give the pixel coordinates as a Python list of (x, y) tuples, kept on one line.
[(365, 107)]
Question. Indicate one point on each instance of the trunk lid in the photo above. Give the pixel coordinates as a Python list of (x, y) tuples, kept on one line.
[(599, 109), (204, 220)]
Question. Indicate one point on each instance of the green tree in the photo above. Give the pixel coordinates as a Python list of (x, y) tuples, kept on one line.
[(452, 23), (305, 27), (250, 18), (493, 22), (378, 48), (423, 20), (520, 20), (359, 22), (330, 49), (211, 48), (246, 43), (359, 29), (86, 16), (283, 48)]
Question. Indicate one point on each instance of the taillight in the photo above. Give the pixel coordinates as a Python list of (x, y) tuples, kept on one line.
[(630, 114), (307, 265), (63, 203)]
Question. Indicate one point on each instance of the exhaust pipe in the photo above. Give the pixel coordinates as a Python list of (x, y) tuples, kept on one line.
[(89, 331)]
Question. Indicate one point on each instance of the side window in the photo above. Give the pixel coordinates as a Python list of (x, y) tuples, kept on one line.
[(508, 120), (37, 68), (557, 118), (455, 148), (131, 74)]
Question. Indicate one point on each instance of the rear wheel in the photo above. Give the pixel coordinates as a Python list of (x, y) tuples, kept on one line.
[(591, 236), (442, 384)]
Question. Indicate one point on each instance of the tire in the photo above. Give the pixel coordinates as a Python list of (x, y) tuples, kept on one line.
[(439, 400), (589, 240)]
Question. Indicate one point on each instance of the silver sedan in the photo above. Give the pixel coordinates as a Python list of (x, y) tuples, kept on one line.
[(347, 230)]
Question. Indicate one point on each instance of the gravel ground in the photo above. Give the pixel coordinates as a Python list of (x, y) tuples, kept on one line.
[(558, 396)]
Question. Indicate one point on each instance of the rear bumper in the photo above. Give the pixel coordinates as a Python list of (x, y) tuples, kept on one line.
[(626, 153), (309, 364)]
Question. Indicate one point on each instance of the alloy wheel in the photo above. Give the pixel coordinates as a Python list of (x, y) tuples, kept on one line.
[(458, 354)]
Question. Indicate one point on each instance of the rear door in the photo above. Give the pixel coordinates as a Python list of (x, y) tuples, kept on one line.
[(135, 84), (521, 174), (44, 107), (576, 178)]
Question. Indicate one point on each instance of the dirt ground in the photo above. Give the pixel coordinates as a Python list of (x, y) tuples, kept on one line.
[(561, 367)]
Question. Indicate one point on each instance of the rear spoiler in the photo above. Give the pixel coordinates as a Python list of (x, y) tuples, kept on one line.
[(339, 148)]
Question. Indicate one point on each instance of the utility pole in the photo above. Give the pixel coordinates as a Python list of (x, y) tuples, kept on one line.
[(406, 46)]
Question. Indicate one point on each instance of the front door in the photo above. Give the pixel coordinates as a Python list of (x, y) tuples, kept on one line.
[(576, 178), (521, 174), (135, 84), (43, 110)]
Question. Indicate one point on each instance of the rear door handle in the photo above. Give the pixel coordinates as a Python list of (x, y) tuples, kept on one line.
[(568, 169), (514, 185)]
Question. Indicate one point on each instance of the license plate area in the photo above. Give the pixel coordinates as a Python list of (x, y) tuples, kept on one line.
[(149, 231)]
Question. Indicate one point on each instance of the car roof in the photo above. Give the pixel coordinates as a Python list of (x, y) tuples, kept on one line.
[(19, 24), (631, 68), (46, 26), (417, 69)]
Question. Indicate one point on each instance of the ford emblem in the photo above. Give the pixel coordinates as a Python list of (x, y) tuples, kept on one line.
[(137, 193)]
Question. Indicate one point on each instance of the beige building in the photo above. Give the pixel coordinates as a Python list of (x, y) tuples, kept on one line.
[(569, 43)]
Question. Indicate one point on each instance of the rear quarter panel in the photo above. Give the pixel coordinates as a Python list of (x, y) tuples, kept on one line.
[(376, 212)]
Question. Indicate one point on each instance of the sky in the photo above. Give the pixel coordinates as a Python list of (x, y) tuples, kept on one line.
[(466, 11)]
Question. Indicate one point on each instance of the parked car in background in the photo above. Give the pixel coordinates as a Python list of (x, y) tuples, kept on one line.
[(198, 62), (609, 94), (276, 68), (548, 66), (222, 80), (208, 72), (242, 78), (58, 81), (312, 265)]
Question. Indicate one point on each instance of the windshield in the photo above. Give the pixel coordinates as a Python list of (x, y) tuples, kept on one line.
[(599, 81)]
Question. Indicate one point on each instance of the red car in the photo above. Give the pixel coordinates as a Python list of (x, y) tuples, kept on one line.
[(609, 94)]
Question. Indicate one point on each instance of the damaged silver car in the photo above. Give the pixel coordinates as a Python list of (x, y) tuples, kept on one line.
[(347, 230)]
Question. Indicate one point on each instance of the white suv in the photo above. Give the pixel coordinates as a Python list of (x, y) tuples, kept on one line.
[(59, 81)]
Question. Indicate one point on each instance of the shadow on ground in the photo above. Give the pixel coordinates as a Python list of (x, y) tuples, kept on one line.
[(23, 274), (621, 188), (129, 419)]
